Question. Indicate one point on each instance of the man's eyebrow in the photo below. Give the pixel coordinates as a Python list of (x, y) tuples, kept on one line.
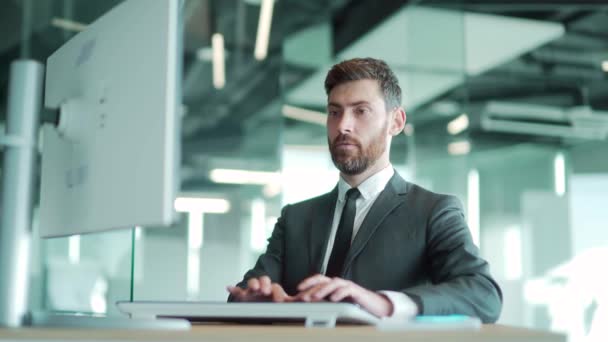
[(353, 104)]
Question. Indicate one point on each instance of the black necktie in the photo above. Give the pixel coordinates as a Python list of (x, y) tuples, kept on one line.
[(343, 235)]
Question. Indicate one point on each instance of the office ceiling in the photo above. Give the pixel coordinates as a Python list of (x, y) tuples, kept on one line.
[(547, 53)]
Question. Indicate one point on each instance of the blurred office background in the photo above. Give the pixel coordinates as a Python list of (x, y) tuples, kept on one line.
[(507, 105)]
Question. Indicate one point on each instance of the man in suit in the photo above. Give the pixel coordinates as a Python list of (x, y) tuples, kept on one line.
[(377, 240)]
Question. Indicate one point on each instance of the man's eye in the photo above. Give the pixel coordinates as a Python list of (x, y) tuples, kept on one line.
[(362, 110)]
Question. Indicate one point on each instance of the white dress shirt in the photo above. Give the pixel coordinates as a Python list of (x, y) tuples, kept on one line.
[(403, 307)]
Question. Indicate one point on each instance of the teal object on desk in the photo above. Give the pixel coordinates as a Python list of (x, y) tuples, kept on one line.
[(441, 319), (431, 323)]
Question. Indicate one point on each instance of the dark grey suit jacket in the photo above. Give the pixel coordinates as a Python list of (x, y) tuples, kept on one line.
[(412, 240)]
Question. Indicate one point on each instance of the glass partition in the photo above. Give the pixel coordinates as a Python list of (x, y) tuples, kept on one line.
[(231, 157), (81, 274), (531, 185)]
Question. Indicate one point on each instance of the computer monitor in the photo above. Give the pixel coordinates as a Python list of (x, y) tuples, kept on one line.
[(112, 161)]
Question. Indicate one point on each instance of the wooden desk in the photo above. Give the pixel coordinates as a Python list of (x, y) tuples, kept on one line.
[(224, 332)]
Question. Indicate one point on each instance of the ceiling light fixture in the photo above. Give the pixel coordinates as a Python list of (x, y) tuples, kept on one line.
[(458, 125), (305, 115), (231, 176), (219, 72), (459, 148), (201, 205), (559, 167), (263, 35), (68, 25)]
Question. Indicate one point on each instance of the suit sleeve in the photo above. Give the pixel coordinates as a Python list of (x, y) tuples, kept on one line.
[(271, 262), (460, 278)]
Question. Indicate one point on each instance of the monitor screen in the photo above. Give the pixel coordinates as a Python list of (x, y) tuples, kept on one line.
[(112, 161)]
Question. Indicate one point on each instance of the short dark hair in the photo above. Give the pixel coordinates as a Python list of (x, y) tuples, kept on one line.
[(366, 69)]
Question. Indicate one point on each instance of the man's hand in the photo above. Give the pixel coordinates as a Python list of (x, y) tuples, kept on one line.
[(320, 288), (260, 290)]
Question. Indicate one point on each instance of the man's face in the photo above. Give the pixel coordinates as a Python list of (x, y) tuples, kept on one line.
[(357, 125)]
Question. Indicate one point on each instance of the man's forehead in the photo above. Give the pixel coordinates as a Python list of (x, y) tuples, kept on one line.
[(366, 90), (348, 104)]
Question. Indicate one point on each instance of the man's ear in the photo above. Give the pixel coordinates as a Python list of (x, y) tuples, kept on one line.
[(397, 121)]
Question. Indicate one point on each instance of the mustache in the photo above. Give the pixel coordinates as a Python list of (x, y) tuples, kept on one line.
[(345, 138)]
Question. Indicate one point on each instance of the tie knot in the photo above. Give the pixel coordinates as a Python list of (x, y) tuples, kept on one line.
[(352, 194)]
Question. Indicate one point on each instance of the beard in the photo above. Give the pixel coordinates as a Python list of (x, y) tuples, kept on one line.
[(354, 162)]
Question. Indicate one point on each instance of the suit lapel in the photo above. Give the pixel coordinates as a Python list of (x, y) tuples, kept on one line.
[(321, 226), (391, 197)]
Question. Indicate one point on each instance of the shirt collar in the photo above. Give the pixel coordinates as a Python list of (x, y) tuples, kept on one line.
[(371, 187)]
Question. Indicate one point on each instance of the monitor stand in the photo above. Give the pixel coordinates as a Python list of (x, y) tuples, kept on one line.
[(20, 143)]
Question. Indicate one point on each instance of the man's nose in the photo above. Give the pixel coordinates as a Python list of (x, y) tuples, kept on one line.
[(346, 122)]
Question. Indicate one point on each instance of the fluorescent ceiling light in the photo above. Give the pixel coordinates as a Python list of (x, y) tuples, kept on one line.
[(580, 122), (244, 176), (201, 205), (605, 66), (305, 115), (263, 35), (219, 73), (68, 25), (459, 148), (458, 125), (473, 209), (559, 170)]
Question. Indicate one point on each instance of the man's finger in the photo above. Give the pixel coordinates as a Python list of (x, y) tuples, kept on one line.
[(278, 294), (265, 285), (253, 284), (327, 289), (312, 281), (306, 296), (341, 294), (236, 291)]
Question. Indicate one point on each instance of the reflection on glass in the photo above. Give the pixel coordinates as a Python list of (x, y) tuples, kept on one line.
[(86, 273), (195, 242), (74, 249), (570, 291), (512, 253), (258, 225)]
